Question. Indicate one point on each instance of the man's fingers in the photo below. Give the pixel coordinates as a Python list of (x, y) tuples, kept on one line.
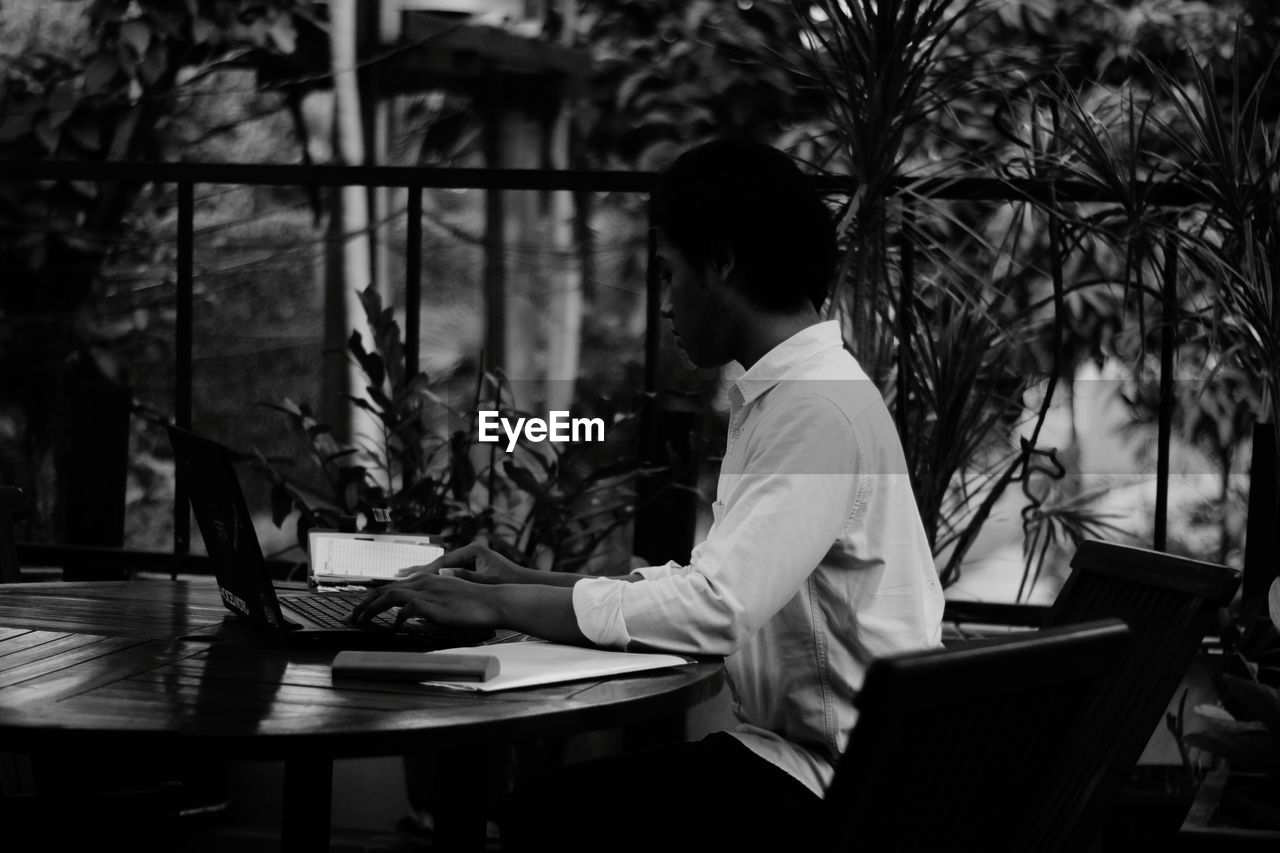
[(363, 603), (465, 558), (378, 601), (414, 607), (458, 558)]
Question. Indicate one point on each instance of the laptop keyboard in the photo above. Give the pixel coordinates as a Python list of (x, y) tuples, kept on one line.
[(330, 610)]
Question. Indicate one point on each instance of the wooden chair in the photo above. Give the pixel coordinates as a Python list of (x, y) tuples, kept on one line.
[(12, 505), (16, 777), (954, 749), (1168, 602)]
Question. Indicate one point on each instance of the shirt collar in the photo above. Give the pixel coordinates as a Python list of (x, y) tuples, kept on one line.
[(780, 361)]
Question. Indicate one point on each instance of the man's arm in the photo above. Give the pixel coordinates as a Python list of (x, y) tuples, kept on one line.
[(787, 501), (442, 601), (479, 563), (565, 580), (543, 611)]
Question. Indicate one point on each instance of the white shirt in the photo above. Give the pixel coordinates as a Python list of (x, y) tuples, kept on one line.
[(815, 563)]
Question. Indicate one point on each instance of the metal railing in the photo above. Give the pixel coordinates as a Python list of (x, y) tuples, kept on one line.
[(185, 177)]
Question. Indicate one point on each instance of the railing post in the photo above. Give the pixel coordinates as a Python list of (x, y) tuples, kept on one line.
[(1169, 318), (652, 305), (495, 274), (665, 516), (412, 280), (183, 346)]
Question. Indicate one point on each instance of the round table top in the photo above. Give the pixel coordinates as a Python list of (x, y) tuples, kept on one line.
[(116, 662)]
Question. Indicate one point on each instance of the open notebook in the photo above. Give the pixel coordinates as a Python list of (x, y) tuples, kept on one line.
[(537, 662)]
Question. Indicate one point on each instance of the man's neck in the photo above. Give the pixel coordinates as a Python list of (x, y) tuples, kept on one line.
[(762, 332)]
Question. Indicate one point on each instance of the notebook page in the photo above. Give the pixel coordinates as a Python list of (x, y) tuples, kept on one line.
[(367, 558)]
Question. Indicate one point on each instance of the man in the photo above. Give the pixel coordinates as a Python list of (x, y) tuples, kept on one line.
[(815, 563)]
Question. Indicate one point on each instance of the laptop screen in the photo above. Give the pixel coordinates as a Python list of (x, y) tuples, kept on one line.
[(226, 527)]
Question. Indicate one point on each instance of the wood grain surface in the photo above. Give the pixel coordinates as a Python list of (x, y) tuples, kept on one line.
[(114, 661)]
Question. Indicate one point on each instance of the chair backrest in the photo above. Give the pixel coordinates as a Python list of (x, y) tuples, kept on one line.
[(1168, 602), (953, 748), (12, 504)]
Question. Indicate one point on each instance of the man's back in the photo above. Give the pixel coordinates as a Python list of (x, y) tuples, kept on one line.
[(873, 592)]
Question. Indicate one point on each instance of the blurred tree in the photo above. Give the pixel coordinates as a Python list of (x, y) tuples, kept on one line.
[(672, 74), (103, 92)]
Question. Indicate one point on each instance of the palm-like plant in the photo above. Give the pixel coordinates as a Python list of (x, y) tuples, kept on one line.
[(878, 65), (1232, 154), (931, 301)]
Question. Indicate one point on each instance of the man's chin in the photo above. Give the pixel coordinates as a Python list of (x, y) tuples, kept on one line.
[(702, 362)]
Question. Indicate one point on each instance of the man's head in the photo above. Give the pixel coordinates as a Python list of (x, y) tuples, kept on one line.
[(739, 225)]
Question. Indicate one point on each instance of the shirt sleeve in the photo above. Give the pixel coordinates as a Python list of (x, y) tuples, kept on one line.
[(784, 507), (654, 572)]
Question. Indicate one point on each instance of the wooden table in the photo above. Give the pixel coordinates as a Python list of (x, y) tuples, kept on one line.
[(113, 666)]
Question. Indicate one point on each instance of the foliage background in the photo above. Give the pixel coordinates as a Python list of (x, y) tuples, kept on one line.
[(669, 74)]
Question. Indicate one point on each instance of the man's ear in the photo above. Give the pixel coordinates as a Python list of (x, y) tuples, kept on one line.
[(723, 261)]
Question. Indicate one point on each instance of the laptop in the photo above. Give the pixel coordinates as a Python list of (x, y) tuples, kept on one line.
[(311, 617)]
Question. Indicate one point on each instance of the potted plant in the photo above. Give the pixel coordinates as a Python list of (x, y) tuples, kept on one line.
[(424, 469), (1240, 800)]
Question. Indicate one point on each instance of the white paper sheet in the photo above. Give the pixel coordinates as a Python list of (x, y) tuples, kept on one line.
[(528, 664)]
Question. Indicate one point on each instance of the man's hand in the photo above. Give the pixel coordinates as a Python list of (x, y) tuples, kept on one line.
[(440, 601), (475, 562)]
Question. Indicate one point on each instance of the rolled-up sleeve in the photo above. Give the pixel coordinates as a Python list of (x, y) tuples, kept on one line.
[(654, 572), (785, 504), (597, 603)]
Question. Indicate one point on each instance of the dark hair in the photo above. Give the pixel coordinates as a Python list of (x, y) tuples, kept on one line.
[(755, 201)]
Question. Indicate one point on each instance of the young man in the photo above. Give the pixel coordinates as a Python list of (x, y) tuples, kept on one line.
[(815, 563)]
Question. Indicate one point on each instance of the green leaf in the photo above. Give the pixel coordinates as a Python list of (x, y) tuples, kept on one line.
[(169, 21), (81, 242), (287, 405), (18, 122), (364, 404), (370, 363), (281, 504), (351, 496), (522, 478), (462, 477), (155, 65), (85, 132), (305, 523), (205, 31), (376, 370), (47, 134), (108, 11), (136, 34), (62, 103), (372, 302), (283, 34)]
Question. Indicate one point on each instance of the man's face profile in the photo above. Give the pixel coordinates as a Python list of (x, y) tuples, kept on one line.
[(695, 306)]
